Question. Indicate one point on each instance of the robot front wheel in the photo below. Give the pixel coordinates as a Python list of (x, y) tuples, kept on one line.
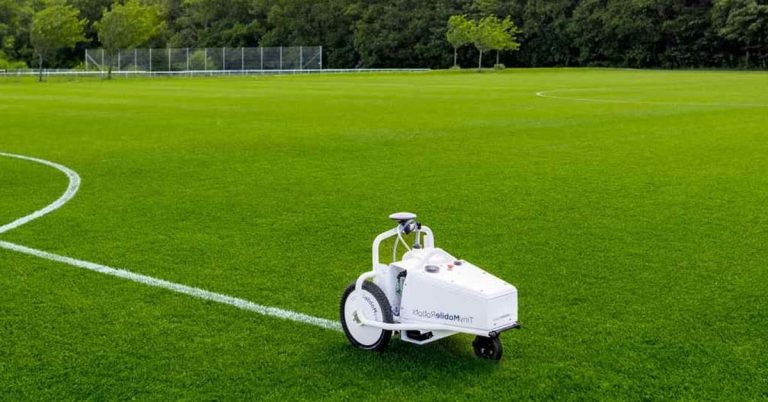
[(377, 307), (488, 347)]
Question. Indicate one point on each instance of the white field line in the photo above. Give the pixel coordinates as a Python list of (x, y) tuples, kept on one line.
[(74, 184), (547, 94), (176, 287)]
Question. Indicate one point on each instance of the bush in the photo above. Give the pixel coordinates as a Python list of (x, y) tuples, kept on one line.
[(6, 64), (198, 61)]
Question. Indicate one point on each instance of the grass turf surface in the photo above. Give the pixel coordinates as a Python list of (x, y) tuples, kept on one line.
[(635, 232)]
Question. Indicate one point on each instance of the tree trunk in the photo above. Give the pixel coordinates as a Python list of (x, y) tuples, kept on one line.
[(40, 68), (109, 65), (455, 56), (497, 58), (747, 61), (480, 62)]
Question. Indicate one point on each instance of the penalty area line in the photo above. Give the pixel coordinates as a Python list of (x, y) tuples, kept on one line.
[(177, 287)]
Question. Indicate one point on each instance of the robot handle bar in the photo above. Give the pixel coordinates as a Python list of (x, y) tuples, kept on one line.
[(429, 242)]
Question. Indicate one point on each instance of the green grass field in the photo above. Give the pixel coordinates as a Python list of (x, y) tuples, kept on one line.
[(630, 208)]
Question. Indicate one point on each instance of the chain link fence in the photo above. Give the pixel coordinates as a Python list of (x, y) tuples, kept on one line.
[(206, 60)]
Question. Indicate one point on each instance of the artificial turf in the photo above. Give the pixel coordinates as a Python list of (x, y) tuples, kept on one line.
[(632, 216)]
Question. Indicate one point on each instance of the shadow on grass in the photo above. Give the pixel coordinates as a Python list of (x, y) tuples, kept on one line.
[(453, 355)]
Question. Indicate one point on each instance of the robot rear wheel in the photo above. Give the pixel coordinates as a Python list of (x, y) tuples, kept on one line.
[(375, 306)]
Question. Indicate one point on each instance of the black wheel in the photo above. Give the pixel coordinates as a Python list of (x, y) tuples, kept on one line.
[(488, 348), (375, 306)]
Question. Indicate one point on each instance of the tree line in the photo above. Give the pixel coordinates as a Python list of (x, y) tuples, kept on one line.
[(402, 33)]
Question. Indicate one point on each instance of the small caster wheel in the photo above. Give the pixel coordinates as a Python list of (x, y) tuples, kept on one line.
[(488, 348), (375, 306)]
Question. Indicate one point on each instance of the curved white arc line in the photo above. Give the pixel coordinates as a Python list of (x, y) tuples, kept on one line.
[(74, 185), (546, 94), (177, 287)]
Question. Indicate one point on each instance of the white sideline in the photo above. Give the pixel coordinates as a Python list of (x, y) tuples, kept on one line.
[(74, 184), (547, 94)]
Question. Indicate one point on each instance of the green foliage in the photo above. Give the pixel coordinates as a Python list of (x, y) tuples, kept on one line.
[(621, 33), (504, 35), (199, 61), (485, 8), (218, 23), (6, 64), (403, 33), (483, 34), (321, 22), (493, 33), (55, 27), (459, 33), (15, 20), (127, 26), (412, 33), (744, 22)]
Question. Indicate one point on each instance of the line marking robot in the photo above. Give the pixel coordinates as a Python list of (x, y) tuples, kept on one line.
[(427, 295)]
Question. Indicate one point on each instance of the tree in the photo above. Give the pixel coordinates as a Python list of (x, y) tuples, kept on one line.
[(403, 33), (216, 23), (127, 26), (459, 33), (492, 33), (744, 22), (55, 27), (622, 33), (485, 8), (504, 36), (317, 22), (545, 26), (15, 19), (414, 33)]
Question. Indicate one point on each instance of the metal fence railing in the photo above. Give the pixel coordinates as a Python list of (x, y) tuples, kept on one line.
[(223, 59)]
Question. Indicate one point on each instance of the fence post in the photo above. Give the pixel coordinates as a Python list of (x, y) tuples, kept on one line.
[(321, 57), (281, 57), (301, 57), (86, 59), (187, 59), (118, 60), (224, 59), (150, 60), (205, 59), (242, 58), (135, 59), (102, 60), (169, 59), (261, 58)]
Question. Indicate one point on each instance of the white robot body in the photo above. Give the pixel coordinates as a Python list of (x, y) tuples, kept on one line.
[(453, 292)]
